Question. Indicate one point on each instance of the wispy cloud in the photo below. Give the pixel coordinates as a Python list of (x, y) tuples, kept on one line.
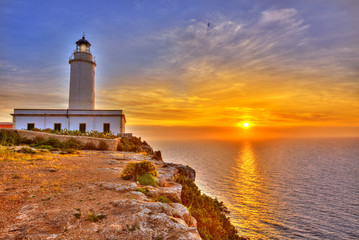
[(265, 70)]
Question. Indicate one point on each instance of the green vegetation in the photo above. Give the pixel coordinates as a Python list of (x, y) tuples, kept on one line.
[(93, 217), (54, 144), (9, 138), (12, 138), (135, 144), (163, 199), (77, 133), (77, 214), (212, 222), (147, 180), (143, 190), (135, 170)]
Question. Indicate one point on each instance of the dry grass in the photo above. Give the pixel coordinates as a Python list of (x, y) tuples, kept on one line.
[(52, 181)]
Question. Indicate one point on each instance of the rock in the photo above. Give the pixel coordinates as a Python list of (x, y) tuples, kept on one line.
[(119, 187), (186, 171), (149, 220), (173, 193), (181, 212)]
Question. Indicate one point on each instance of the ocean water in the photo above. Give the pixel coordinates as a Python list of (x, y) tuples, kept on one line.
[(279, 189)]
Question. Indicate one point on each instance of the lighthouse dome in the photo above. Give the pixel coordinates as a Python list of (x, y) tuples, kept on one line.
[(83, 41)]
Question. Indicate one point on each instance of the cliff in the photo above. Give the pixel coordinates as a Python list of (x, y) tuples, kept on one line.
[(81, 196), (71, 194)]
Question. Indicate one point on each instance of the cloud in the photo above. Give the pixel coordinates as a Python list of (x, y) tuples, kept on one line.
[(265, 71), (288, 15)]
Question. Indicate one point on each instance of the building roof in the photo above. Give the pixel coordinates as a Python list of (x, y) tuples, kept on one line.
[(83, 40)]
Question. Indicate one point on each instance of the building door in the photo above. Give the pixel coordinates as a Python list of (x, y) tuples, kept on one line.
[(106, 127), (57, 126), (82, 127), (30, 126)]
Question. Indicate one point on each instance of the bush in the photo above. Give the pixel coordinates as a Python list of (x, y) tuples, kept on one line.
[(128, 145), (9, 138), (48, 147), (77, 133), (134, 170), (147, 179), (212, 222), (73, 143)]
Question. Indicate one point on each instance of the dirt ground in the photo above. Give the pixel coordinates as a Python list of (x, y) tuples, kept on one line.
[(56, 181)]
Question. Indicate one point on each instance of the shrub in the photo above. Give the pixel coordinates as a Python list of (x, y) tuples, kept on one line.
[(147, 179), (128, 145), (77, 214), (73, 143), (212, 222), (77, 133), (9, 138), (48, 147), (93, 217), (54, 143), (134, 170)]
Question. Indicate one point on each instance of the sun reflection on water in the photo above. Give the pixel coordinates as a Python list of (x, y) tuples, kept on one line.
[(252, 200)]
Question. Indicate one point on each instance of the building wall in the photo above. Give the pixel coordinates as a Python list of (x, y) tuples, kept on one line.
[(70, 119), (5, 125)]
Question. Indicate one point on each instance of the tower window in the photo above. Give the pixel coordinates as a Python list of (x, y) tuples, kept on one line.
[(30, 126), (82, 127), (57, 126), (106, 127)]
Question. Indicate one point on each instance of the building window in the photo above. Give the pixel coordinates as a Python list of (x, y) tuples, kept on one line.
[(30, 126), (57, 126), (106, 127), (82, 127)]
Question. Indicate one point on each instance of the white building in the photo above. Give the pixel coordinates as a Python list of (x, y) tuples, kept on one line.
[(81, 114)]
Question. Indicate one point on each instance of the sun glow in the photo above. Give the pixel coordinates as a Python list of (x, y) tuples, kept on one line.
[(245, 125)]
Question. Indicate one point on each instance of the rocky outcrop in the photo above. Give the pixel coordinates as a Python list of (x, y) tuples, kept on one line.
[(96, 204), (149, 220)]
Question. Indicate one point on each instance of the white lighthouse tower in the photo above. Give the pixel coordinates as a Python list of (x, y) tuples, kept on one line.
[(81, 114), (82, 77)]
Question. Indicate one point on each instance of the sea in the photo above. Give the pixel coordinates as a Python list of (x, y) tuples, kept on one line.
[(279, 188)]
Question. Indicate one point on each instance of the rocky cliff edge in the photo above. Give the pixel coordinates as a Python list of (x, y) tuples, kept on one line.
[(81, 196)]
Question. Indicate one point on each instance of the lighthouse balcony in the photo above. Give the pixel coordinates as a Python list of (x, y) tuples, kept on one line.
[(81, 56)]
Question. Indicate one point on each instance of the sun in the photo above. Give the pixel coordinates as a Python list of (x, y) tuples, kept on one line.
[(245, 125)]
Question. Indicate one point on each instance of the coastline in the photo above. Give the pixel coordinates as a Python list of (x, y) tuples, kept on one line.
[(53, 195)]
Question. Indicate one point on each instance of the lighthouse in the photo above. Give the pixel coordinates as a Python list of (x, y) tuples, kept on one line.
[(82, 77), (81, 114)]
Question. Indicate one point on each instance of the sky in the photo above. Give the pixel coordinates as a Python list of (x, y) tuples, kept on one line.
[(287, 67)]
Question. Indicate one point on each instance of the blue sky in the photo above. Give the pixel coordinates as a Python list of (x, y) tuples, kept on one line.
[(273, 61)]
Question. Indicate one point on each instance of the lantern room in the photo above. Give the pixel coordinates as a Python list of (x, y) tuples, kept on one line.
[(83, 45)]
